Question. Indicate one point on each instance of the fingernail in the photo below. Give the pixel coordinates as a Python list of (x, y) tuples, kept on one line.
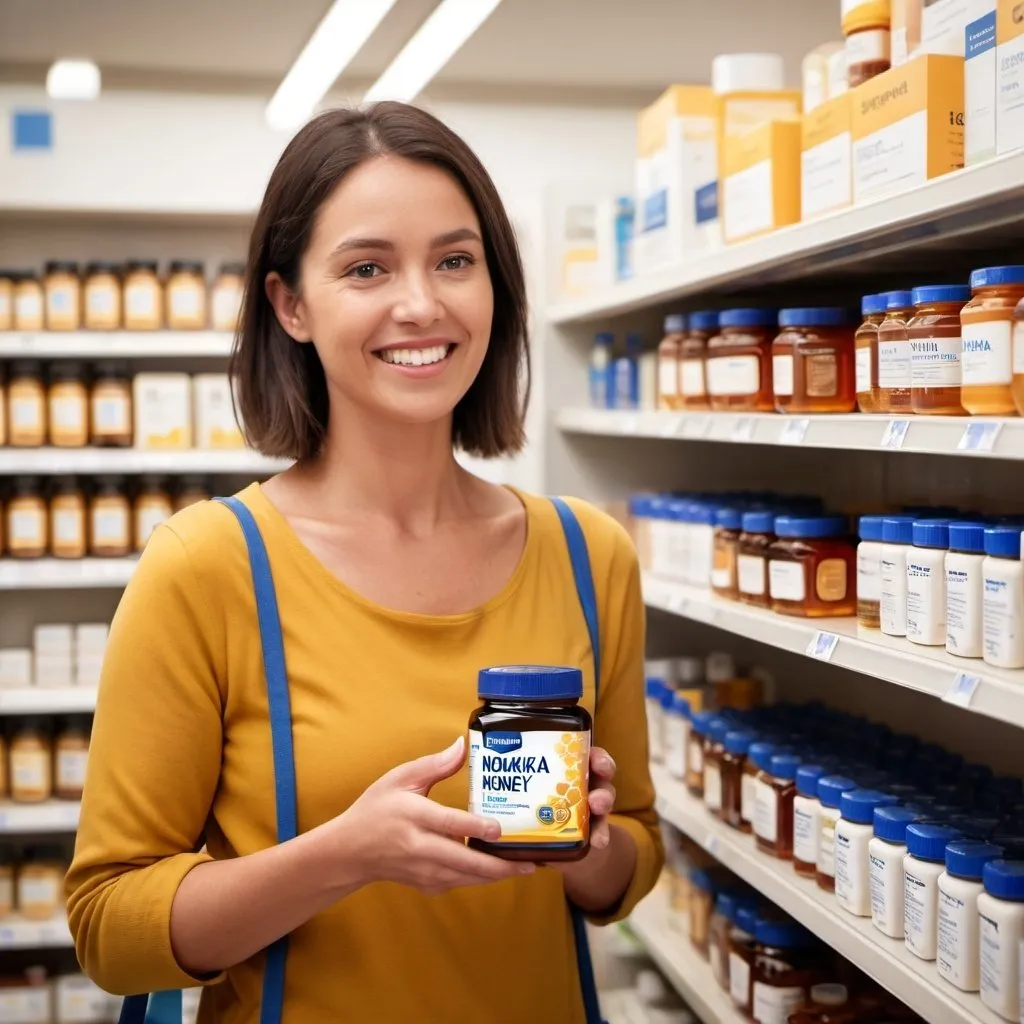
[(493, 830), (527, 869)]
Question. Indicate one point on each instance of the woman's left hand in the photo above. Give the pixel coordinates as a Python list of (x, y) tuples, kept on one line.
[(602, 796)]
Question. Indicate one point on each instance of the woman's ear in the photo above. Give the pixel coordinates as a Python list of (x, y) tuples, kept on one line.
[(288, 307)]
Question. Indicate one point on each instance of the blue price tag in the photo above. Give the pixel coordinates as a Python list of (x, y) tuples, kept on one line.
[(979, 437), (963, 689), (895, 434)]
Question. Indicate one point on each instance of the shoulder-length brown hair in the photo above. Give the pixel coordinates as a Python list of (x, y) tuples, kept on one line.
[(281, 389)]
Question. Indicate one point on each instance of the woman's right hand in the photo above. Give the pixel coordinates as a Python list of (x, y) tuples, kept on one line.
[(394, 832)]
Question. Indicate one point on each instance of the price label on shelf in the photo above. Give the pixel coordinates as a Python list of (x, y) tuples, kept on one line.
[(696, 427), (963, 689), (979, 437), (743, 430), (668, 424), (678, 603), (794, 431), (895, 434), (711, 844), (629, 424), (822, 646)]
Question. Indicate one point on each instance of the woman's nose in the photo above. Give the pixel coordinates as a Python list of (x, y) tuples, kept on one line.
[(416, 301)]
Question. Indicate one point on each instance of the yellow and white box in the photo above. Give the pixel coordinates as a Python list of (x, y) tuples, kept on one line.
[(826, 158), (980, 84), (1009, 75), (676, 178), (943, 23), (761, 180), (163, 410), (908, 126), (215, 426)]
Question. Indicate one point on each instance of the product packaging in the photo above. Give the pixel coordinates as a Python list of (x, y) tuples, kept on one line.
[(980, 85), (826, 168), (1010, 76)]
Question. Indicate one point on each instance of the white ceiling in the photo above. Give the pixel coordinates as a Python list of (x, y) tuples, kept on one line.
[(571, 44)]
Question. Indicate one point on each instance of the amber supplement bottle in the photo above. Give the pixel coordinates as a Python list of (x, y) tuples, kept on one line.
[(68, 532), (734, 757), (986, 324), (531, 740), (30, 761), (739, 361), (812, 567), (787, 963), (936, 348), (110, 405), (773, 807), (26, 519), (752, 557), (110, 525), (26, 404), (68, 405), (894, 353), (728, 522), (70, 757), (824, 379), (669, 396), (865, 340), (693, 350), (700, 724)]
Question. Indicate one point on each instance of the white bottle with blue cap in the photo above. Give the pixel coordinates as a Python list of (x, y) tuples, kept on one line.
[(897, 536), (1001, 919), (854, 831), (1003, 602), (924, 862), (600, 370), (926, 582), (965, 589)]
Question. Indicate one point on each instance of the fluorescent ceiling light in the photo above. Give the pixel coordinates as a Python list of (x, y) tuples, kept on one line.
[(335, 41), (73, 80), (439, 38)]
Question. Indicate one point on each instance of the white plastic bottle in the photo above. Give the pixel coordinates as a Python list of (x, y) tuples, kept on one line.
[(675, 734), (677, 541), (924, 862), (960, 886), (601, 370), (830, 790), (854, 831), (885, 868), (701, 519), (1003, 601), (806, 819), (897, 535), (1001, 918), (869, 564), (655, 723), (965, 589), (926, 583)]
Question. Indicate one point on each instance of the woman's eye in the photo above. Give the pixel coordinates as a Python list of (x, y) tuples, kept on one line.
[(459, 262), (364, 271)]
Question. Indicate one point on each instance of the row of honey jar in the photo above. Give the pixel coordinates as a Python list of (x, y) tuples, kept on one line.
[(41, 760), (133, 296), (32, 881), (106, 517), (949, 350)]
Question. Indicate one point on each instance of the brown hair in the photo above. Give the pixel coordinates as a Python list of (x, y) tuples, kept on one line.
[(281, 388)]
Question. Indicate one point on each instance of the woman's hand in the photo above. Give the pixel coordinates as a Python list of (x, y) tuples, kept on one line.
[(602, 796), (394, 832)]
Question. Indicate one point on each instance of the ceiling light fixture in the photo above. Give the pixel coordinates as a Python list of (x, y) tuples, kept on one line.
[(438, 39), (73, 80), (335, 41)]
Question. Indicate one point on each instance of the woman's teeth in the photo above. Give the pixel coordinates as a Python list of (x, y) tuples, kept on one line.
[(414, 356)]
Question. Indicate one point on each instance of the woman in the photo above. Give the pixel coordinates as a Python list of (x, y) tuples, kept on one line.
[(383, 325)]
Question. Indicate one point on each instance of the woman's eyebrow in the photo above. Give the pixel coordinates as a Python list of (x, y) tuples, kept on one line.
[(438, 242)]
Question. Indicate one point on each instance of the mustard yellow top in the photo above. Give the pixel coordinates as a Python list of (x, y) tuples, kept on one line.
[(181, 754)]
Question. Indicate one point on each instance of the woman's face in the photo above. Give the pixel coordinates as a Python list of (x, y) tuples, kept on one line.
[(394, 291)]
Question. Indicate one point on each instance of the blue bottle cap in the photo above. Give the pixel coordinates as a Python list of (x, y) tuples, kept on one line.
[(1004, 879), (807, 776), (891, 822), (927, 841), (701, 720), (704, 320), (701, 513), (717, 729), (814, 316), (871, 305), (530, 682), (870, 527), (967, 858), (680, 706), (810, 526), (702, 879), (761, 754), (831, 789), (858, 805), (898, 300), (747, 318), (737, 741), (898, 529), (782, 934), (784, 766), (1002, 541), (926, 294), (967, 536), (759, 521), (988, 277), (725, 904), (729, 518), (675, 323), (604, 338), (930, 533), (747, 918)]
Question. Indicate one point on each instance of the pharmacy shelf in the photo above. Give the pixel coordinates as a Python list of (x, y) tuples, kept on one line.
[(115, 344), (135, 460), (65, 574), (886, 960), (933, 435), (669, 947), (29, 819), (966, 682), (17, 933), (970, 202), (39, 700)]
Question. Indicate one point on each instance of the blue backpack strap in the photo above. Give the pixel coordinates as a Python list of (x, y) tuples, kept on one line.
[(159, 1008), (583, 576)]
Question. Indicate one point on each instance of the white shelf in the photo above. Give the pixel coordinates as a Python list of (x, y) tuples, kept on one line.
[(17, 933), (659, 928), (136, 460), (61, 574), (933, 435), (968, 202), (114, 344), (40, 700), (886, 960), (999, 693), (51, 816)]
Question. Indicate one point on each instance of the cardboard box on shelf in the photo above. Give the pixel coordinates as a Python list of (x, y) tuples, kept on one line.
[(1010, 76), (826, 158), (908, 126), (212, 403), (163, 410), (15, 667), (980, 84), (761, 181), (943, 23), (54, 670), (91, 637), (53, 639)]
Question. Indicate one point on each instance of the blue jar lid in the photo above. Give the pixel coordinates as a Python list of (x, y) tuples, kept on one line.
[(747, 318), (966, 858), (717, 729), (988, 277), (702, 879), (1002, 541), (701, 513), (898, 529), (729, 518), (967, 536), (700, 720), (832, 787), (747, 918), (807, 776), (927, 841), (737, 741), (858, 805), (1004, 879), (814, 316), (784, 934), (759, 521), (898, 300), (870, 305), (891, 821), (784, 766), (530, 682), (929, 293), (810, 526), (761, 754), (704, 320), (604, 338), (675, 323), (725, 904), (930, 533), (680, 706), (870, 527)]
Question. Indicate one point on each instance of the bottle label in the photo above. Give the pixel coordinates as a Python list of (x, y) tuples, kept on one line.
[(696, 757), (109, 527), (827, 842), (668, 377), (675, 745), (655, 734), (30, 771), (782, 376), (186, 303), (26, 528), (987, 354), (227, 306), (957, 950), (68, 527), (919, 912), (866, 47), (830, 579), (67, 414), (100, 301), (806, 827), (734, 375), (28, 306), (935, 362), (71, 766), (748, 797), (786, 581), (998, 965), (862, 366), (926, 602), (893, 364), (750, 574), (147, 519), (766, 808), (851, 872), (893, 604), (691, 378), (712, 787), (869, 576), (739, 979), (821, 375), (111, 415), (1002, 623), (775, 1005), (26, 413), (140, 300), (39, 892), (533, 783), (1018, 347)]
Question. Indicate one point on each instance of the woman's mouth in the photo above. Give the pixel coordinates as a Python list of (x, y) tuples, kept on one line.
[(415, 356)]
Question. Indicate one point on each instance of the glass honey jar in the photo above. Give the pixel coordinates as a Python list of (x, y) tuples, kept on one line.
[(812, 567), (865, 342), (822, 345), (739, 361), (987, 332)]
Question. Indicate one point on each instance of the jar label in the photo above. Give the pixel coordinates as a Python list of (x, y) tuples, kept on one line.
[(712, 786), (782, 376), (957, 948), (935, 362), (100, 301), (805, 831), (67, 414), (675, 745), (862, 364), (1018, 347), (821, 375), (869, 576), (998, 967), (68, 527), (750, 574), (668, 377), (786, 581), (147, 519), (60, 299), (774, 1005), (987, 354), (111, 414), (723, 570), (893, 604), (30, 1003), (140, 301), (109, 527), (30, 772), (696, 758), (691, 378), (39, 892), (26, 413), (893, 364), (27, 528), (766, 810), (28, 306), (851, 873), (227, 307), (739, 979), (885, 877), (533, 783), (71, 766), (734, 375), (830, 579), (186, 303), (748, 795), (919, 913), (926, 602), (964, 599)]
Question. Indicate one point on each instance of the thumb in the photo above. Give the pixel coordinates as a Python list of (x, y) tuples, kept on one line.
[(424, 772)]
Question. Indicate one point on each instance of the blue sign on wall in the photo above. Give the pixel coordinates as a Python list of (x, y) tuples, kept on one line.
[(31, 130)]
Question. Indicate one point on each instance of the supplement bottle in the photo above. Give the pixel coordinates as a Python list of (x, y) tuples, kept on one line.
[(151, 507), (186, 296), (936, 348), (758, 534), (865, 340), (782, 363), (773, 806), (63, 289), (786, 965), (823, 378), (29, 305), (830, 790), (885, 867), (654, 688), (894, 354), (718, 937), (143, 297), (739, 367), (926, 583), (965, 589), (30, 763), (924, 862), (6, 299), (70, 756), (699, 520), (624, 375), (959, 888), (6, 883), (102, 305), (759, 757), (897, 536), (676, 732), (714, 748), (67, 519), (854, 831), (68, 406), (724, 582), (531, 737), (1001, 920), (226, 297), (806, 819), (40, 883), (110, 529), (700, 722), (869, 571), (1002, 610), (600, 370), (693, 352), (26, 517), (812, 567), (702, 900), (986, 324), (110, 405), (866, 26), (742, 951), (737, 743), (669, 396), (26, 405)]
